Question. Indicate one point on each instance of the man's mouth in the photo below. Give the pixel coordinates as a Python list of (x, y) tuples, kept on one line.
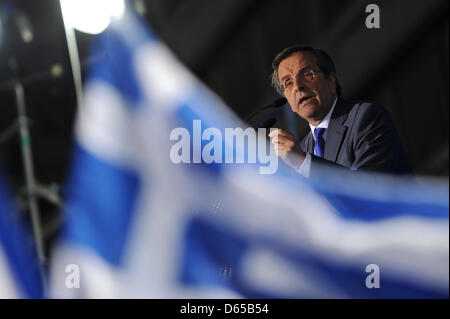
[(305, 98)]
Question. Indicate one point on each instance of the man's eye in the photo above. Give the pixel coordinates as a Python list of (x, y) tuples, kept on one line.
[(287, 84), (309, 74)]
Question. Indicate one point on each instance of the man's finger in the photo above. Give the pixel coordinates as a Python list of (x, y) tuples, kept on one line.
[(274, 133), (278, 131), (282, 140), (281, 132)]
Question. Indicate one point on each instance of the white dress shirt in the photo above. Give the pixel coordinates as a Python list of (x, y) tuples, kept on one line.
[(306, 165)]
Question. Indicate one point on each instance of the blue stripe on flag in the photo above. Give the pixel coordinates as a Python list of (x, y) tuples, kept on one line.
[(202, 260), (352, 207), (101, 205)]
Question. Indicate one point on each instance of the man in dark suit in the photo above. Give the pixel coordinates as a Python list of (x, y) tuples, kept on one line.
[(356, 135)]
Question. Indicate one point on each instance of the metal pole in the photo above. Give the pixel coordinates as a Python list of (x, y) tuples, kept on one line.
[(74, 60), (29, 172)]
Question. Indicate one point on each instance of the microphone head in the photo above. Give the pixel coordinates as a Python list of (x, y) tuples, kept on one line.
[(269, 123), (274, 105)]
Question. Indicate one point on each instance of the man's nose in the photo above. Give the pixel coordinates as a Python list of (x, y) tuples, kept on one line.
[(298, 85)]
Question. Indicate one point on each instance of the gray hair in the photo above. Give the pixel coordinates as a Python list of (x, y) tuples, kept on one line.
[(324, 62)]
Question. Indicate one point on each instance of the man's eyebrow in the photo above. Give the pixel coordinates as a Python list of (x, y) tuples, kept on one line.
[(285, 77), (306, 68), (301, 70)]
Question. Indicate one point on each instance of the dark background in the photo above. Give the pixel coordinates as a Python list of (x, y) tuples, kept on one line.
[(230, 45)]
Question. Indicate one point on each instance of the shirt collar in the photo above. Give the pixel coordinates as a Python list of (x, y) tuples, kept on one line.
[(324, 123)]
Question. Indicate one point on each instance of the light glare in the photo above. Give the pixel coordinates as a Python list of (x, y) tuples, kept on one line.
[(91, 16)]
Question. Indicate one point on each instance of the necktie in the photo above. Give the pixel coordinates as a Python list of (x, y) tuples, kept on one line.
[(319, 145)]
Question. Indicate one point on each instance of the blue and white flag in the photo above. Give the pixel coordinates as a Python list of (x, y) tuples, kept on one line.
[(19, 268), (151, 214)]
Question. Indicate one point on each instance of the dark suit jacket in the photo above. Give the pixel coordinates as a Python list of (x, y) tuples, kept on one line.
[(360, 136)]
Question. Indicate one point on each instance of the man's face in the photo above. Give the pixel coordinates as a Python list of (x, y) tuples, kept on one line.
[(310, 95)]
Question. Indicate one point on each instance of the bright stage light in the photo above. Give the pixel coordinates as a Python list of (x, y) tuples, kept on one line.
[(91, 16)]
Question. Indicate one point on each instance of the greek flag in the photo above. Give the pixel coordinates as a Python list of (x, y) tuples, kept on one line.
[(141, 225), (19, 269)]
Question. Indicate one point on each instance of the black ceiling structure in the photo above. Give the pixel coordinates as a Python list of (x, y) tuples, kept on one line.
[(230, 44)]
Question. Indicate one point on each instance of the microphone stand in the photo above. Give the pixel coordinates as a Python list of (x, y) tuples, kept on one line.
[(32, 188), (30, 180)]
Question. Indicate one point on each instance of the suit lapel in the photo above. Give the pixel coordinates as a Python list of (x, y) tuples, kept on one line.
[(310, 143), (307, 143), (336, 131)]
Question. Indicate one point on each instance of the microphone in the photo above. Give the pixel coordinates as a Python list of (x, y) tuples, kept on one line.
[(275, 104), (269, 123)]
